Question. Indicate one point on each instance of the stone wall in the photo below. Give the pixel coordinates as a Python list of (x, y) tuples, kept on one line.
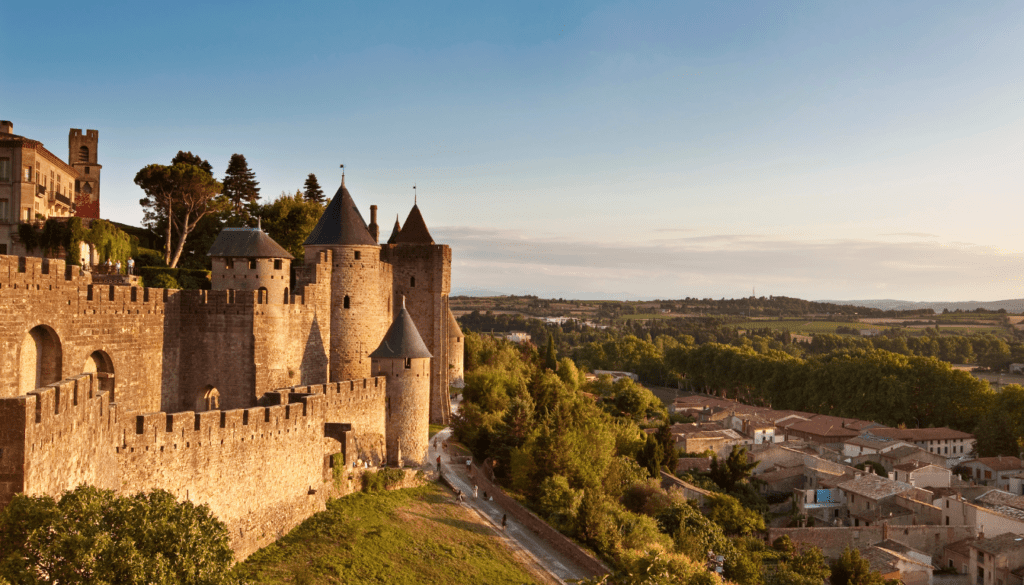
[(832, 541), (407, 409), (359, 405)]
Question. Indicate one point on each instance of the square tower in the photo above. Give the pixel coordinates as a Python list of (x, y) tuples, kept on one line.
[(82, 156)]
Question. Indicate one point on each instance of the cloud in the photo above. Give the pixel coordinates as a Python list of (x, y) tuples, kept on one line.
[(910, 235), (730, 265)]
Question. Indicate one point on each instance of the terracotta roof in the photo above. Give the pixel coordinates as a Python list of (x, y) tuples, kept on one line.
[(453, 326), (246, 242), (999, 544), (394, 231), (937, 434), (341, 224), (875, 487), (415, 230), (961, 547), (402, 339), (823, 426), (865, 441), (1003, 502), (906, 451), (915, 465), (1002, 463)]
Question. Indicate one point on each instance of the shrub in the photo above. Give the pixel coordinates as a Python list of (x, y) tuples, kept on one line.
[(385, 479), (182, 278)]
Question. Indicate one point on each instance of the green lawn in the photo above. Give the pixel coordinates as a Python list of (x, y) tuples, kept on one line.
[(434, 429), (407, 536)]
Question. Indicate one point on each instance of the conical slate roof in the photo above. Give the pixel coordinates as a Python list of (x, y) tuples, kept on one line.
[(341, 224), (395, 231), (415, 230), (246, 242), (453, 326), (402, 339)]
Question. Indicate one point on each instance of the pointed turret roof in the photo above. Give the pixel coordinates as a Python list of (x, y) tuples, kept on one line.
[(341, 224), (453, 326), (402, 339), (250, 242), (415, 230), (395, 231)]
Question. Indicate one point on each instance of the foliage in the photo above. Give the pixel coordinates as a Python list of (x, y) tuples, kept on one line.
[(729, 473), (93, 536), (876, 467), (240, 188), (733, 517), (852, 569), (110, 242), (312, 192), (180, 278), (382, 480), (289, 219)]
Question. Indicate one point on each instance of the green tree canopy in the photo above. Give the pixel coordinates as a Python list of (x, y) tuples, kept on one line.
[(178, 197), (240, 188), (312, 191)]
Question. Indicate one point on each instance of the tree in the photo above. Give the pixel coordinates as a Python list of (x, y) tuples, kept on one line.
[(651, 455), (729, 473), (852, 569), (289, 219), (93, 536), (180, 195), (312, 190), (191, 159), (729, 513), (240, 187), (668, 446), (550, 357)]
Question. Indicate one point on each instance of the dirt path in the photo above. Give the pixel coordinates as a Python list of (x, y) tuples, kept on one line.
[(543, 561)]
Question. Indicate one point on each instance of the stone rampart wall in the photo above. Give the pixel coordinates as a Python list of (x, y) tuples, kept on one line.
[(360, 404)]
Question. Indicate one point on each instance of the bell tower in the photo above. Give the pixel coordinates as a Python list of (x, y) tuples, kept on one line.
[(82, 156)]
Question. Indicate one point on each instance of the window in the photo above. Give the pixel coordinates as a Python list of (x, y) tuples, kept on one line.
[(26, 213), (252, 264), (277, 265), (83, 154), (981, 557), (78, 185), (28, 174), (412, 282), (87, 170), (3, 210), (3, 248), (5, 169), (345, 303), (408, 363), (357, 254), (229, 264)]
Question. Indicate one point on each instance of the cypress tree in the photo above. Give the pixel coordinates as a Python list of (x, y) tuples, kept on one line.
[(240, 185), (312, 190), (550, 357)]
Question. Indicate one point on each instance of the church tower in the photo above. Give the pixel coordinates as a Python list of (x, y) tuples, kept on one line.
[(404, 360), (360, 286), (82, 157)]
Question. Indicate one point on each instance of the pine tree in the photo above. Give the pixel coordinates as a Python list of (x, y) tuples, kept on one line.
[(240, 186), (312, 190), (550, 357)]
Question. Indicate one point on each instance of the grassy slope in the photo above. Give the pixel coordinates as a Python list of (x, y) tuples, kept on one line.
[(406, 536)]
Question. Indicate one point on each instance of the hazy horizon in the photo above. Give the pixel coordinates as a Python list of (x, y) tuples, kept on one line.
[(653, 149)]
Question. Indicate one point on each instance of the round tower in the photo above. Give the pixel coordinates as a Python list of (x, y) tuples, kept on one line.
[(404, 360), (249, 259), (456, 352), (360, 286)]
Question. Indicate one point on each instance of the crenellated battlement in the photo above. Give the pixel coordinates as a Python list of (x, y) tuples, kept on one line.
[(67, 398), (30, 270)]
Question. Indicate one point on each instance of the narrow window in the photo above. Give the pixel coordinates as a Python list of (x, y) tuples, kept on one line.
[(412, 281), (408, 363), (78, 185), (229, 264), (28, 174), (357, 254), (277, 265), (87, 170), (252, 264), (3, 210), (346, 302), (5, 169), (83, 154)]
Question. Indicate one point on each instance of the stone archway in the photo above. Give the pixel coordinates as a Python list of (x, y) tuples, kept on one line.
[(99, 363), (208, 399), (40, 362)]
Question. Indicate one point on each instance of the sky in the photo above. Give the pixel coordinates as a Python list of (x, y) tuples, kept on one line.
[(820, 150)]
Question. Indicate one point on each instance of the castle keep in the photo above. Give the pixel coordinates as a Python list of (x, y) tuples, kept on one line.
[(246, 397)]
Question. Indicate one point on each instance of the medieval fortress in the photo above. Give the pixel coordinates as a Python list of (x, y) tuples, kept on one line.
[(255, 397)]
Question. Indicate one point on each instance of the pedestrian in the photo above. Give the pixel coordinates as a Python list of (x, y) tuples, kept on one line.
[(435, 442), (485, 495), (475, 488), (504, 521), (439, 464), (131, 265), (117, 267), (107, 266)]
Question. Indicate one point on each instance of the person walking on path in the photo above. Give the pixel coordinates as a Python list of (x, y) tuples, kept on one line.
[(504, 521), (439, 464), (475, 489)]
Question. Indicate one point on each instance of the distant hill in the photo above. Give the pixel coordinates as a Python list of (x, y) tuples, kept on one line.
[(1011, 305)]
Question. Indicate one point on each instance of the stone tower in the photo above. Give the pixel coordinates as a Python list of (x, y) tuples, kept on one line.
[(361, 306), (249, 259), (422, 273), (456, 352), (82, 156), (404, 360)]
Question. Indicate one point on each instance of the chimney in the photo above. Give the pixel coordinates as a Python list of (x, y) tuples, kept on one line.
[(6, 127), (374, 228)]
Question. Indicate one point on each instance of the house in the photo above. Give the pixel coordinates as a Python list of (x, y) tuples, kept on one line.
[(719, 442), (782, 479), (944, 441), (996, 560), (869, 444), (994, 512), (957, 555), (760, 430), (870, 498), (900, 562), (908, 453), (995, 471), (922, 475), (825, 430)]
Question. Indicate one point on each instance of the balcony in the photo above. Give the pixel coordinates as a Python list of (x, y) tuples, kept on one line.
[(62, 199), (40, 190)]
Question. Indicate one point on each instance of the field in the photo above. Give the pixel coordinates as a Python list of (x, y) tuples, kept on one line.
[(407, 536), (801, 325)]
